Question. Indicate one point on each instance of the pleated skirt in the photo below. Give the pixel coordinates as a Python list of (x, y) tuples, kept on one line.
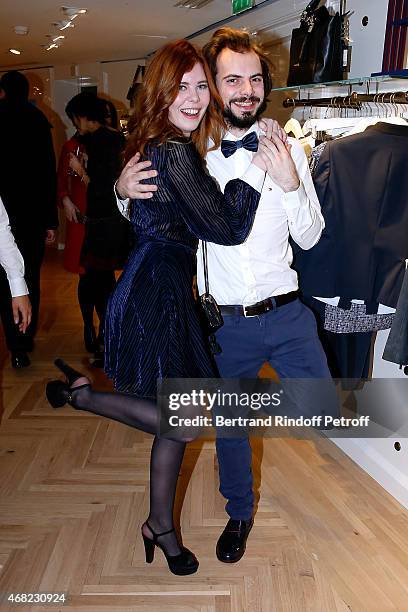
[(152, 327)]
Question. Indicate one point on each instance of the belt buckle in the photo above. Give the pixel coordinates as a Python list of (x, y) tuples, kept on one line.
[(247, 316), (267, 307)]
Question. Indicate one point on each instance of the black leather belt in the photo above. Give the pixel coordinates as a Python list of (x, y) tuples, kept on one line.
[(260, 308)]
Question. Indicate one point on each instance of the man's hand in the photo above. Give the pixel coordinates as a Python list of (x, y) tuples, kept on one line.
[(128, 184), (21, 310), (271, 126), (70, 209), (50, 236), (274, 158)]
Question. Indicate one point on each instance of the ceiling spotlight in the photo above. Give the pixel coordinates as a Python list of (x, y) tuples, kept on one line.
[(62, 25), (15, 51), (21, 30), (72, 11), (51, 46)]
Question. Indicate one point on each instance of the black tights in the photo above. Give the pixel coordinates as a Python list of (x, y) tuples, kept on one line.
[(166, 454), (94, 289)]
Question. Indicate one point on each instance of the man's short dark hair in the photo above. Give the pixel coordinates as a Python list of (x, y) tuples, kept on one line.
[(240, 42), (86, 105), (15, 86)]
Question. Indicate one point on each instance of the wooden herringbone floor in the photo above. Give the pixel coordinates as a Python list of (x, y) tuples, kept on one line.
[(74, 491)]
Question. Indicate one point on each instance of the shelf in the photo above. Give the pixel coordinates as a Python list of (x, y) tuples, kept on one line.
[(379, 78), (395, 74)]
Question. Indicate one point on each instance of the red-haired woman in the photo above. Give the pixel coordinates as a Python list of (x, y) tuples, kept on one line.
[(153, 330)]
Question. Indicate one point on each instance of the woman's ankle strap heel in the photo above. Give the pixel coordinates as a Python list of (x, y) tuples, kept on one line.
[(183, 564), (59, 393)]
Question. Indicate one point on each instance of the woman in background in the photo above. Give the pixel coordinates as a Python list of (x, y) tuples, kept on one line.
[(71, 193), (106, 241)]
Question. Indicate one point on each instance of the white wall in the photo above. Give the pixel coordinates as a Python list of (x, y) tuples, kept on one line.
[(368, 42)]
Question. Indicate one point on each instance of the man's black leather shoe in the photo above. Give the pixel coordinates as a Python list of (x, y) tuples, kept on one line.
[(232, 542), (20, 359)]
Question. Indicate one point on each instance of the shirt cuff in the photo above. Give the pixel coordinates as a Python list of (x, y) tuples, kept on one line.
[(294, 199), (255, 177), (123, 205), (18, 287), (118, 196)]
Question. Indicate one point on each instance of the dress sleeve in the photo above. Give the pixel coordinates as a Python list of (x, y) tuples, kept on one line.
[(209, 214)]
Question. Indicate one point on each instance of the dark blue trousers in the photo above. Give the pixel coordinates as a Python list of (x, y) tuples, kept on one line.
[(286, 337)]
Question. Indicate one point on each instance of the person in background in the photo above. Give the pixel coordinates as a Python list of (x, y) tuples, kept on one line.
[(28, 192), (13, 264), (111, 115), (106, 242), (71, 191)]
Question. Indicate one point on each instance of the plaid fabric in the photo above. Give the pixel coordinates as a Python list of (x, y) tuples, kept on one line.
[(355, 319)]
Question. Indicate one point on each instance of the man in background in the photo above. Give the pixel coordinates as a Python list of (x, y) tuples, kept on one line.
[(28, 192)]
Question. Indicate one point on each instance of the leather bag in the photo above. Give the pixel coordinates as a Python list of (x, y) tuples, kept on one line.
[(316, 49)]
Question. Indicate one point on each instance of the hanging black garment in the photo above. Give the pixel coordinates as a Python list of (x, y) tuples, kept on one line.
[(396, 349), (316, 47), (362, 185)]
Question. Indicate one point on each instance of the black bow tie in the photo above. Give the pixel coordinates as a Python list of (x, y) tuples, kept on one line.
[(249, 142)]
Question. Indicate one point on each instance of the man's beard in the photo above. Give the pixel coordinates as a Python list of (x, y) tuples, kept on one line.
[(247, 118)]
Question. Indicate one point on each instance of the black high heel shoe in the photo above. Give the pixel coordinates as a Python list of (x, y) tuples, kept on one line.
[(59, 392), (183, 564)]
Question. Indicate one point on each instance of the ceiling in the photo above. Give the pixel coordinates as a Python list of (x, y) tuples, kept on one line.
[(110, 30)]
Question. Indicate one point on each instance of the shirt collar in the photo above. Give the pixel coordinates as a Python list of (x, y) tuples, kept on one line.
[(254, 128)]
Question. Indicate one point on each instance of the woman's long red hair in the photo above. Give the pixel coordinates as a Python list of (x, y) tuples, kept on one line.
[(160, 88)]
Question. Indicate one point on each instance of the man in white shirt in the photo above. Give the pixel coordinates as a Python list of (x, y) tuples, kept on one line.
[(254, 284), (13, 264)]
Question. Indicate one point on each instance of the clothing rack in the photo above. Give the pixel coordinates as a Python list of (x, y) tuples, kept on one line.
[(354, 100)]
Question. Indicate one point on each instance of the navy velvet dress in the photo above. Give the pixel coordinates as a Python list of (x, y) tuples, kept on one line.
[(152, 324)]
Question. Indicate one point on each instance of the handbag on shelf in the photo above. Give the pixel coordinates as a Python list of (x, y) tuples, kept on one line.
[(137, 81), (210, 311), (316, 49)]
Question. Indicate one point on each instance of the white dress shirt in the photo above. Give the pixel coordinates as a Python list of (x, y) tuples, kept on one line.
[(10, 256), (260, 267)]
